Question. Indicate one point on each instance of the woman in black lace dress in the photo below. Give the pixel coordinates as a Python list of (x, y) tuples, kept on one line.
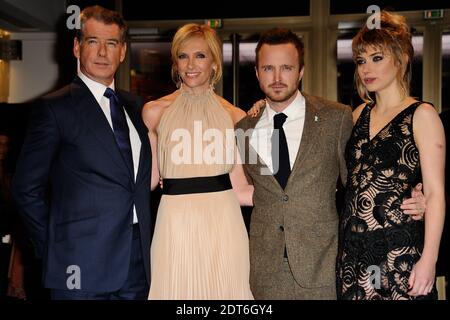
[(396, 142)]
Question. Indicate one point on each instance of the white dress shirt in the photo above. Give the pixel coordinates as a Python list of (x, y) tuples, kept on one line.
[(98, 89), (293, 128)]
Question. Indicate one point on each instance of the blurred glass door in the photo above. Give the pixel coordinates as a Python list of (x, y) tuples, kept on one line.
[(247, 84), (150, 65)]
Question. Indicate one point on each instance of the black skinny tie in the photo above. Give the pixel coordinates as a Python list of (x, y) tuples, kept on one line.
[(280, 160)]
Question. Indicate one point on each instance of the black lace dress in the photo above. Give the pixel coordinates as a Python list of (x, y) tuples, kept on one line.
[(379, 244)]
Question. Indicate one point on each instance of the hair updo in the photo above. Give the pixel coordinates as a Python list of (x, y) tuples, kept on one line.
[(394, 38)]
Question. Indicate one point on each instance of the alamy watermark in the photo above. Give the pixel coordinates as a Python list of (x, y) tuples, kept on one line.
[(73, 21), (74, 279), (374, 276), (374, 21), (214, 146)]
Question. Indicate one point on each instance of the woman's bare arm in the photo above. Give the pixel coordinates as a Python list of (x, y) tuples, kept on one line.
[(151, 115), (430, 139)]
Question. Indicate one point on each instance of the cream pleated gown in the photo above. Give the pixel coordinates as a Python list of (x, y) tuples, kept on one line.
[(200, 245)]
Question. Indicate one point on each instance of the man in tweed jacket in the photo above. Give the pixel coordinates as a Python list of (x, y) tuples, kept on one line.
[(294, 230)]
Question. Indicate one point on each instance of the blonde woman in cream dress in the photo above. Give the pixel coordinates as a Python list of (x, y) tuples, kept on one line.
[(200, 244)]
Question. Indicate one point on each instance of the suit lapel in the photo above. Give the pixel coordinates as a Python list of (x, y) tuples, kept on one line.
[(96, 121), (309, 134)]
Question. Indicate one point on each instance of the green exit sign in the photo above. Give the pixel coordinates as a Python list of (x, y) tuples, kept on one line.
[(214, 23), (433, 14)]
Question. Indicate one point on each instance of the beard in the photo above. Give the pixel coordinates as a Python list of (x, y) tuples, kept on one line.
[(281, 97)]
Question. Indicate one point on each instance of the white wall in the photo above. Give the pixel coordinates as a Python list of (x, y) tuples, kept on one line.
[(37, 72)]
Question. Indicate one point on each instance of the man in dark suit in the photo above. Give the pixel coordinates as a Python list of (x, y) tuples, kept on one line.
[(83, 177)]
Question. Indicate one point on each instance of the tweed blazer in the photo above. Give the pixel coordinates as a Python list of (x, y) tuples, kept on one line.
[(302, 217)]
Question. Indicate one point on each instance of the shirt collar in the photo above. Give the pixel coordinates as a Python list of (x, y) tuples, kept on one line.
[(97, 88)]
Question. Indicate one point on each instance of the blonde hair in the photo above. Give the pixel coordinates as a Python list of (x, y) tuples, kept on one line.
[(190, 31), (393, 37)]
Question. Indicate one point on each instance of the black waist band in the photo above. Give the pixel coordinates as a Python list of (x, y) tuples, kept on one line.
[(196, 185)]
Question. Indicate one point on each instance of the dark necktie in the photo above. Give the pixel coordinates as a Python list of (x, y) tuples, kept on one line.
[(120, 127), (280, 160)]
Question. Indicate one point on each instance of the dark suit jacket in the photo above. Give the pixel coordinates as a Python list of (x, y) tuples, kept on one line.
[(75, 193), (303, 216)]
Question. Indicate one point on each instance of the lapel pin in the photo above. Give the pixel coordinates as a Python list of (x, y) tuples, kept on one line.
[(316, 118)]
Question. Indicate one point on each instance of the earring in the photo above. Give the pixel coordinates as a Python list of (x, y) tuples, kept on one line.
[(213, 74), (179, 81)]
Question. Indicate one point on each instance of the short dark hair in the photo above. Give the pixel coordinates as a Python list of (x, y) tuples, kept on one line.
[(281, 36), (102, 15)]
